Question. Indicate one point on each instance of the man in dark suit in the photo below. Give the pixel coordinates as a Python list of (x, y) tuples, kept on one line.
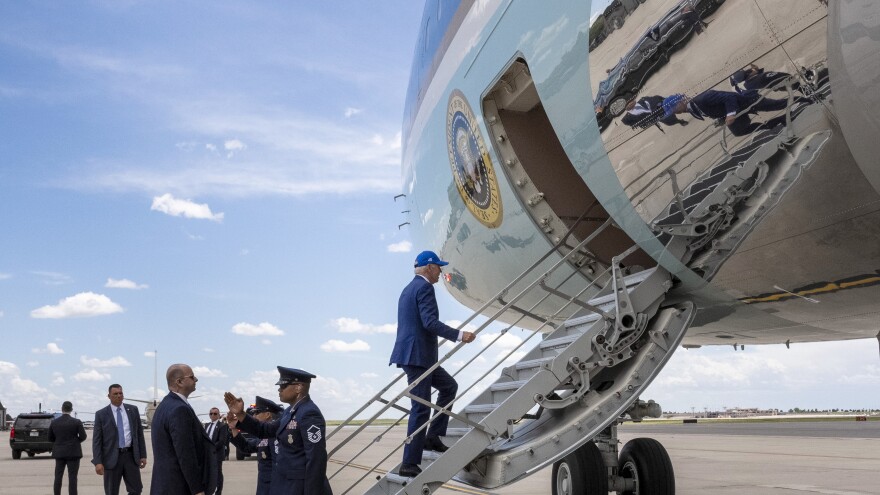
[(300, 440), (415, 350), (66, 434), (218, 432), (118, 447), (183, 455), (732, 108)]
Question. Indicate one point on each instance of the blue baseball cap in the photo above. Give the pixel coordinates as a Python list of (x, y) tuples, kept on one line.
[(426, 258), (670, 102)]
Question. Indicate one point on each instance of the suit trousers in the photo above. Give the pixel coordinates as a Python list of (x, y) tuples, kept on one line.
[(743, 124), (72, 465), (127, 469), (419, 413)]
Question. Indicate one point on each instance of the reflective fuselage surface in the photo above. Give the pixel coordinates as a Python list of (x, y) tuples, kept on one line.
[(713, 122)]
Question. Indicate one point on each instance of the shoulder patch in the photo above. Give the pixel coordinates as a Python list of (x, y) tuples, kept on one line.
[(314, 433)]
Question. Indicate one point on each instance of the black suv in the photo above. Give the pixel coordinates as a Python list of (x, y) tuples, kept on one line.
[(30, 433)]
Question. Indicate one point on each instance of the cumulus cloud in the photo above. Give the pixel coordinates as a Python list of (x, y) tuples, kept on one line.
[(507, 341), (4, 276), (114, 362), (124, 284), (234, 145), (81, 305), (51, 348), (169, 205), (150, 354), (400, 247), (205, 372), (91, 376), (57, 379), (353, 325), (32, 364), (351, 112), (251, 330), (342, 346)]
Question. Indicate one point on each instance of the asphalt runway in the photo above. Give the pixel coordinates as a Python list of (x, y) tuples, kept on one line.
[(837, 458)]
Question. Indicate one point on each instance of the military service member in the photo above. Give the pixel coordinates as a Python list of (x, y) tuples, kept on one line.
[(300, 445), (264, 410)]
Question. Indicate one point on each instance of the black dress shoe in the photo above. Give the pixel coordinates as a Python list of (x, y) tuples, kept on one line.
[(409, 470), (434, 443)]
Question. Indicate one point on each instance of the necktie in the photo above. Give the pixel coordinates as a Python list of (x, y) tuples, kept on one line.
[(120, 429), (211, 430)]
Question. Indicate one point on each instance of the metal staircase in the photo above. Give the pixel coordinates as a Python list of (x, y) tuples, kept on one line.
[(576, 382)]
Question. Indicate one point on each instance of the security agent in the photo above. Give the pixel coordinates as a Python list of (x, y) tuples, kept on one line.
[(753, 78), (266, 411), (300, 445)]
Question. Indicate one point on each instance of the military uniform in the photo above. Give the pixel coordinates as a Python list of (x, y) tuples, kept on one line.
[(300, 446), (264, 447)]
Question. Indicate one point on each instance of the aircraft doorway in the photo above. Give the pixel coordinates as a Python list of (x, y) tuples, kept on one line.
[(544, 179)]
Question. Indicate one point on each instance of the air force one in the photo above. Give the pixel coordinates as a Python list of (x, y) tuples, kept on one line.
[(674, 173)]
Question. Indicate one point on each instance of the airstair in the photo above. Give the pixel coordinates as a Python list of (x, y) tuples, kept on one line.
[(576, 383)]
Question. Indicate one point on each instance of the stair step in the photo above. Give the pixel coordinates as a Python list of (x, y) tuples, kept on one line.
[(396, 479), (480, 408), (507, 386), (558, 343), (456, 433), (430, 456)]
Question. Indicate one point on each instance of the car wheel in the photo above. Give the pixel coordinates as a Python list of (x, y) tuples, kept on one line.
[(617, 106), (16, 454)]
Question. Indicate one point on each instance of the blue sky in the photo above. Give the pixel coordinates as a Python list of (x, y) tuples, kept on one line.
[(214, 181)]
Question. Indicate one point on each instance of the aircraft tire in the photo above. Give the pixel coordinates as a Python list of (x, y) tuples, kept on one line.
[(16, 454), (646, 461), (580, 473)]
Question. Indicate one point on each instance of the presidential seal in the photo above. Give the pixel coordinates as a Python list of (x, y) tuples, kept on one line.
[(471, 166)]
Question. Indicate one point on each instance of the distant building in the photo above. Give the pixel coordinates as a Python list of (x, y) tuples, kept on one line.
[(3, 417)]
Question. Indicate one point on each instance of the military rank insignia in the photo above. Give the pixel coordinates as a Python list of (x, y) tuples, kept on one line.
[(314, 433), (290, 439)]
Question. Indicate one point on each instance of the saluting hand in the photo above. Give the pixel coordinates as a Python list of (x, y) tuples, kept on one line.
[(235, 404)]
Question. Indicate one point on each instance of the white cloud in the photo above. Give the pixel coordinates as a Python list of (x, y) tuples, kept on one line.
[(351, 112), (91, 376), (507, 341), (4, 276), (32, 364), (205, 372), (369, 375), (84, 304), (124, 284), (208, 349), (400, 247), (51, 348), (7, 368), (342, 346), (210, 147), (353, 325), (57, 380), (265, 341), (169, 205), (114, 362), (251, 330), (53, 278), (150, 354), (234, 145)]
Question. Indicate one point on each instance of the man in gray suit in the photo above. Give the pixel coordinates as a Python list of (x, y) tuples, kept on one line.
[(118, 444), (66, 433)]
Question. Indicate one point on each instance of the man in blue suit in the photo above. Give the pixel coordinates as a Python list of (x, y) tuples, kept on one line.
[(183, 454), (299, 436), (415, 350), (118, 447)]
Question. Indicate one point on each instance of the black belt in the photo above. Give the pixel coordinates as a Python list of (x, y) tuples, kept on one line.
[(127, 449)]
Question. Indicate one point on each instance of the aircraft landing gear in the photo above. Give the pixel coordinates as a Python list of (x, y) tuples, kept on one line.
[(643, 468)]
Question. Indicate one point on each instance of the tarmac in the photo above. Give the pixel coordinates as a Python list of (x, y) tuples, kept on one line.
[(836, 458)]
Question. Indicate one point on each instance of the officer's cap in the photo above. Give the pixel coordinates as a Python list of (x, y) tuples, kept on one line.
[(670, 102), (426, 258), (263, 405), (292, 375)]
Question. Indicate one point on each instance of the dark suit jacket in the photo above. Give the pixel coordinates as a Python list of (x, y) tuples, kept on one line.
[(183, 455), (720, 104), (66, 433), (219, 437), (419, 326), (105, 444), (300, 439)]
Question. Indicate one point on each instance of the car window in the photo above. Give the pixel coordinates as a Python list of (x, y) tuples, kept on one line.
[(32, 422)]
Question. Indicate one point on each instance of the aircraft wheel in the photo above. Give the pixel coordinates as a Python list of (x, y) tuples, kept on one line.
[(647, 462), (580, 473), (16, 454)]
